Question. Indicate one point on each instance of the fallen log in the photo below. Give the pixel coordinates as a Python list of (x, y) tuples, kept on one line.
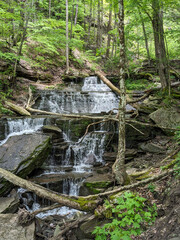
[(17, 109), (87, 203), (108, 83), (79, 203)]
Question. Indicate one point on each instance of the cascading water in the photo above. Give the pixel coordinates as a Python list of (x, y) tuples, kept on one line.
[(81, 155), (95, 97), (20, 126)]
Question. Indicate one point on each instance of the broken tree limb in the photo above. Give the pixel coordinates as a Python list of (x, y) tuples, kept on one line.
[(104, 117), (17, 109), (134, 185), (65, 200), (87, 203), (110, 85), (71, 226)]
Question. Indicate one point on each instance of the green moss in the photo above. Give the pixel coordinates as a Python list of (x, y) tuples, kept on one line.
[(34, 161), (169, 165), (87, 204), (98, 184)]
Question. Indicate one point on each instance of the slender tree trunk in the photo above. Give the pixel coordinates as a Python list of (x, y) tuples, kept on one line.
[(94, 17), (145, 37), (67, 40), (108, 29), (99, 26), (118, 168), (101, 23), (160, 50), (114, 46), (49, 8), (19, 52), (76, 14), (72, 16), (90, 21)]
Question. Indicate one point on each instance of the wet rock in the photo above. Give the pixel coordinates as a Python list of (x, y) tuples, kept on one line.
[(111, 156), (52, 129), (166, 117), (84, 232), (90, 159), (22, 154), (9, 204), (151, 147), (11, 230), (96, 184)]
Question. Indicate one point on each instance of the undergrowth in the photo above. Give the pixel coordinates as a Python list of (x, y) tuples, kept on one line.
[(177, 164), (129, 215)]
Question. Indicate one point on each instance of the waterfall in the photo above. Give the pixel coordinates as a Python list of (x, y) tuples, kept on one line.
[(70, 157), (22, 126), (94, 97)]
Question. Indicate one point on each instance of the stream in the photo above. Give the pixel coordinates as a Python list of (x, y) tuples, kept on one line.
[(72, 157)]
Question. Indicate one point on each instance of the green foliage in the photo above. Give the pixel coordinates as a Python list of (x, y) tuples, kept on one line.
[(177, 163), (151, 187), (131, 214), (137, 84)]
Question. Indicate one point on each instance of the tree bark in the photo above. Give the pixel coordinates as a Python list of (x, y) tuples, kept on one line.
[(145, 37), (67, 40), (98, 41), (79, 203), (76, 13), (108, 29), (160, 50), (118, 167), (87, 203)]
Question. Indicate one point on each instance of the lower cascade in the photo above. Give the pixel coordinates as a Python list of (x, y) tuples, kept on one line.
[(72, 157)]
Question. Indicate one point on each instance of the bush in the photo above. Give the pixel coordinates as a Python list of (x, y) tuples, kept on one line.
[(131, 214)]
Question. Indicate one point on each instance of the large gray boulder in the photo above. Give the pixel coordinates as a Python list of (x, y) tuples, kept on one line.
[(166, 117), (11, 230), (22, 154), (9, 204)]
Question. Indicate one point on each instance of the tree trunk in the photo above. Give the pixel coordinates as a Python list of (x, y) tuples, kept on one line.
[(49, 8), (145, 36), (72, 16), (90, 21), (67, 40), (76, 14), (79, 203), (160, 50), (25, 18), (108, 29), (118, 168), (98, 41)]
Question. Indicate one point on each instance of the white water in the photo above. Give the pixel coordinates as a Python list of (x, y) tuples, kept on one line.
[(16, 127), (95, 97)]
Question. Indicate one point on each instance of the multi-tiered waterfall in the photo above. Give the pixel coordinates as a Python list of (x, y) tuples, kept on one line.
[(77, 155)]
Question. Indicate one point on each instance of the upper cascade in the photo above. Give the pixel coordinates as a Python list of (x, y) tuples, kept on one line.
[(92, 83), (94, 97)]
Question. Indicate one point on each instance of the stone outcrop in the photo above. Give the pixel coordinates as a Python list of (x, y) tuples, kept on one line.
[(11, 230), (166, 117), (22, 154), (9, 204)]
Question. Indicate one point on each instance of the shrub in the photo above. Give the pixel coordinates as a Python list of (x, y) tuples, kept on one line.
[(131, 214)]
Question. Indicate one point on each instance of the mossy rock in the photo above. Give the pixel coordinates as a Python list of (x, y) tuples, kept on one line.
[(22, 154)]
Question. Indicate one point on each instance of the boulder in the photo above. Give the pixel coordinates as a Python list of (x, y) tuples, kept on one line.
[(151, 147), (96, 184), (166, 117), (22, 154), (9, 204), (11, 230), (52, 129)]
